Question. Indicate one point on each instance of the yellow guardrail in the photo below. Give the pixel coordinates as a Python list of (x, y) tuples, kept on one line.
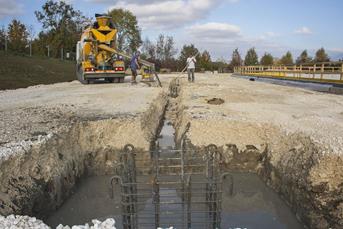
[(329, 72)]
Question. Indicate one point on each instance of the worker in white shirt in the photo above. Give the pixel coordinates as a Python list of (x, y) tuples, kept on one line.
[(191, 68)]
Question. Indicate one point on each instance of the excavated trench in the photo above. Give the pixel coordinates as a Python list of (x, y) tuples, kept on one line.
[(65, 178)]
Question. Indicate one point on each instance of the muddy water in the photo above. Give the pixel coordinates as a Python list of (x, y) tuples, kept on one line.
[(250, 204), (91, 200), (254, 205), (166, 139)]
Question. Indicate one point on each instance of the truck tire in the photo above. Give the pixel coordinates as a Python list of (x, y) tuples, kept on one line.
[(79, 74), (110, 80)]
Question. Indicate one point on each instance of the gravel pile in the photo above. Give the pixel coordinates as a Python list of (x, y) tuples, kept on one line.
[(107, 224), (20, 222), (26, 222)]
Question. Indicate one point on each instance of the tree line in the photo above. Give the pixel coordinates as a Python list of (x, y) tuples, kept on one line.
[(251, 58), (63, 25)]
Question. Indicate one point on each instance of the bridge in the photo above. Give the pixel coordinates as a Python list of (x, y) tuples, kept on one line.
[(328, 72)]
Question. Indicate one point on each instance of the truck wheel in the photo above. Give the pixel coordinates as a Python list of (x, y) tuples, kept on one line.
[(79, 74), (110, 80)]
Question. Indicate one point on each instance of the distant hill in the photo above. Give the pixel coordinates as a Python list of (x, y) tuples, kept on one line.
[(22, 71)]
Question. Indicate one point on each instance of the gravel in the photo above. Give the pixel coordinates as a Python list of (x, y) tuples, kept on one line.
[(107, 224), (21, 222)]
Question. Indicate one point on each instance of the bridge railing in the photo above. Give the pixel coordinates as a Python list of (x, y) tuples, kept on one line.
[(328, 72)]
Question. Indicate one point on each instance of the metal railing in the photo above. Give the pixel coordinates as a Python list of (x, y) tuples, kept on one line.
[(183, 189), (329, 72)]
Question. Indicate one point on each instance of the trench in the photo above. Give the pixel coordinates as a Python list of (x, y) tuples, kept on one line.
[(80, 190), (246, 201)]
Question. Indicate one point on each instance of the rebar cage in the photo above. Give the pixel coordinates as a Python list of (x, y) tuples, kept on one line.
[(182, 188)]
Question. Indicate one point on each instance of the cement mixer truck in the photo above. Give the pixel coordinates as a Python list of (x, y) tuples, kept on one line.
[(94, 62), (98, 58)]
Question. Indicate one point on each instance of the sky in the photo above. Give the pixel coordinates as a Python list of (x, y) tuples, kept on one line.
[(219, 26)]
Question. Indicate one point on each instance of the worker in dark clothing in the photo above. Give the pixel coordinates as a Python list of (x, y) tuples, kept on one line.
[(134, 65)]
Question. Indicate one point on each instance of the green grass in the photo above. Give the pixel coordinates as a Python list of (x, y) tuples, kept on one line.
[(23, 71)]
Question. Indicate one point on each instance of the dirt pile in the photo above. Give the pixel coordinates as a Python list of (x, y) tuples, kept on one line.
[(215, 101)]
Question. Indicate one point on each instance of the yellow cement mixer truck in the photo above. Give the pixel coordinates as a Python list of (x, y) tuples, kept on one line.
[(98, 58), (96, 53)]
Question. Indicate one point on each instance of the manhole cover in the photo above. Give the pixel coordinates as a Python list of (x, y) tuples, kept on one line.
[(215, 101)]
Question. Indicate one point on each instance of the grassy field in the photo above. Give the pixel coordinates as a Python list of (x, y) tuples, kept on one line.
[(21, 71)]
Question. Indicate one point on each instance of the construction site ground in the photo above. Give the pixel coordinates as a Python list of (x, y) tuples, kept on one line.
[(42, 108), (286, 127)]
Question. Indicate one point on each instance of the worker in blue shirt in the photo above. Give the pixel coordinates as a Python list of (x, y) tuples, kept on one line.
[(134, 65)]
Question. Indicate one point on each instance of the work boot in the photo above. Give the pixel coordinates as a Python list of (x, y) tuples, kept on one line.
[(134, 82)]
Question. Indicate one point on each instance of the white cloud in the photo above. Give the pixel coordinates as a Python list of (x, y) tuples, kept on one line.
[(222, 38), (214, 32), (268, 35), (303, 31), (166, 14), (10, 8)]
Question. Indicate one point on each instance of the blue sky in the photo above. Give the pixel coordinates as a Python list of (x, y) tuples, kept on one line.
[(273, 26)]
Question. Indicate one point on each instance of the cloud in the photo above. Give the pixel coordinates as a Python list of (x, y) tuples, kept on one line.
[(303, 31), (268, 35), (222, 38), (214, 32), (166, 14), (10, 8)]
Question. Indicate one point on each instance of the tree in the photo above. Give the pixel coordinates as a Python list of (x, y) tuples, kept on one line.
[(169, 50), (3, 34), (62, 26), (17, 36), (149, 50), (165, 49), (321, 56), (267, 59), (236, 59), (251, 57), (128, 32), (287, 59), (187, 51), (161, 53), (205, 61), (304, 58)]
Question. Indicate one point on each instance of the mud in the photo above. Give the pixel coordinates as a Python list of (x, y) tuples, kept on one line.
[(215, 101)]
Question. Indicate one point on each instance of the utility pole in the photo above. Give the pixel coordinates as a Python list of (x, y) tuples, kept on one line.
[(48, 46), (30, 48), (62, 53), (5, 43)]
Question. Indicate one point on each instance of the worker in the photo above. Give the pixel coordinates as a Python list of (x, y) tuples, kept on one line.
[(134, 65), (191, 68)]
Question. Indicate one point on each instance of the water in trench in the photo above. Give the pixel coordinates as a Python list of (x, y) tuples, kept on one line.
[(250, 204)]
